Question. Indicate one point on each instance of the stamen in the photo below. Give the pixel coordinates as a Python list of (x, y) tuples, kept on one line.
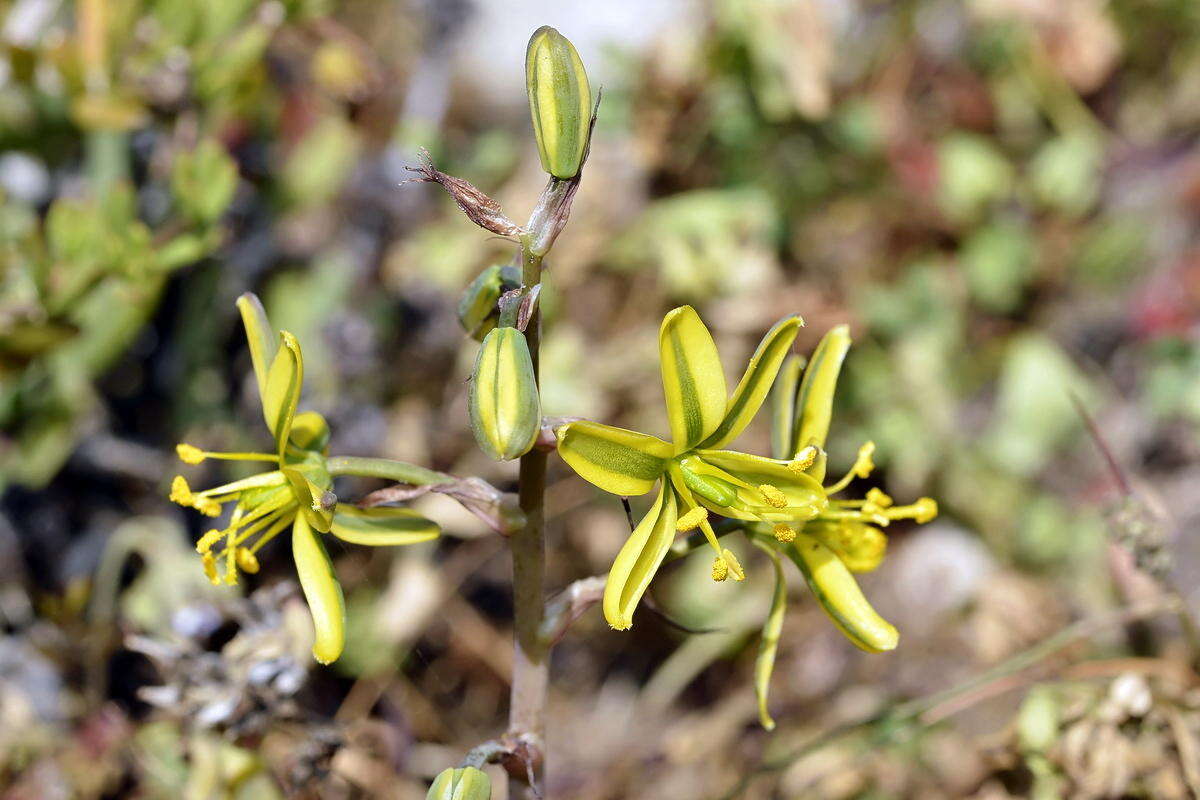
[(209, 562), (247, 560), (692, 519), (208, 540), (866, 515), (264, 521), (773, 496), (863, 465), (879, 498), (785, 533), (720, 569), (921, 511), (679, 483), (231, 577), (181, 493), (280, 524), (735, 568), (207, 506), (260, 481), (268, 508), (189, 454), (926, 508), (803, 460)]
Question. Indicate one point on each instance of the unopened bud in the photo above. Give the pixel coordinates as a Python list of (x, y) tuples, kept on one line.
[(506, 413), (478, 309), (464, 783), (560, 101)]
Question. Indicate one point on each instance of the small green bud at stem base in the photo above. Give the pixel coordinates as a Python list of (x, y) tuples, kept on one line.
[(464, 783)]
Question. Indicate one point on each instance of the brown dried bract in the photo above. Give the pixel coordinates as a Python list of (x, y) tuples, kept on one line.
[(479, 208)]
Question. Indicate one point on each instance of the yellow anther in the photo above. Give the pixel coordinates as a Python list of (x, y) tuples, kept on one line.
[(863, 464), (720, 569), (735, 567), (207, 507), (925, 510), (785, 533), (879, 498), (247, 561), (209, 562), (189, 454), (208, 540), (692, 519), (773, 496), (181, 493), (803, 460)]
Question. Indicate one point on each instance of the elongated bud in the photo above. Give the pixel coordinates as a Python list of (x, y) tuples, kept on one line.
[(478, 309), (506, 413), (465, 783), (560, 101)]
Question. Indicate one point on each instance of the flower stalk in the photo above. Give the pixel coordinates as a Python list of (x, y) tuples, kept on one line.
[(527, 700)]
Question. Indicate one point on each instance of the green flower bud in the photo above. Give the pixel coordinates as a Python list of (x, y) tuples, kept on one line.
[(465, 783), (506, 413), (478, 311), (560, 101)]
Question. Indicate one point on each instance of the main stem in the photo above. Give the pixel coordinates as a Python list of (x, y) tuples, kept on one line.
[(526, 721)]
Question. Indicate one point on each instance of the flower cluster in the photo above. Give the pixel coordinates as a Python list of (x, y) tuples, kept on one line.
[(784, 502)]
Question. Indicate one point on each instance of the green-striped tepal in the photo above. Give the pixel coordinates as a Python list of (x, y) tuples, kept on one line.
[(463, 783), (560, 101), (506, 412)]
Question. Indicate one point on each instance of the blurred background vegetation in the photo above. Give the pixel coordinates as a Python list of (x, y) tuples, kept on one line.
[(1001, 197)]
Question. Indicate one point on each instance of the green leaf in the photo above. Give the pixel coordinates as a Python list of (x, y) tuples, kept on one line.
[(203, 181), (321, 590), (814, 403), (385, 468), (261, 338), (768, 642), (614, 459), (693, 380), (378, 527), (783, 406), (838, 593), (282, 392), (639, 559), (756, 382)]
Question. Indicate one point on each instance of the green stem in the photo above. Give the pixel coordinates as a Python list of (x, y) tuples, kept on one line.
[(387, 469), (530, 669)]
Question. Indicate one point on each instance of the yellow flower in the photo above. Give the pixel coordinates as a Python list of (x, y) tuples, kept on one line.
[(295, 491), (695, 473), (845, 536)]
